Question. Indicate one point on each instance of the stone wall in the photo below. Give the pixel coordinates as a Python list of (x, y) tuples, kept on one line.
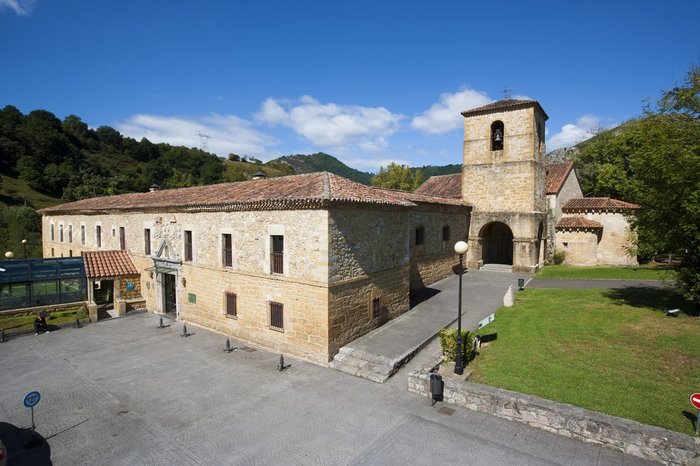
[(612, 246), (631, 437), (579, 246), (350, 313)]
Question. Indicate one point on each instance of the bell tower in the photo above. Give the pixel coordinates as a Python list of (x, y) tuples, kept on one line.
[(503, 178)]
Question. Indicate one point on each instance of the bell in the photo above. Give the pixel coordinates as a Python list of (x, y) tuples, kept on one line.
[(498, 136)]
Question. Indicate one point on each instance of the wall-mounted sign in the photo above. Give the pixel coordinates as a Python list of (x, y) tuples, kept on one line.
[(192, 298)]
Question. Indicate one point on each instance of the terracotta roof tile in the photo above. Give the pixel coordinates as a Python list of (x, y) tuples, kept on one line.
[(311, 190), (577, 223), (101, 264), (556, 175), (442, 186), (506, 104), (586, 204)]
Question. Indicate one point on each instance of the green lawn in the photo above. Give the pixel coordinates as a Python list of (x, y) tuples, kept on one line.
[(603, 273), (612, 351), (22, 324)]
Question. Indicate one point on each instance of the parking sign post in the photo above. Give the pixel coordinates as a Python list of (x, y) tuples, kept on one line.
[(31, 400)]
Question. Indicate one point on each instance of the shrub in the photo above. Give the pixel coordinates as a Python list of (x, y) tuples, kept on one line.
[(448, 344), (559, 257)]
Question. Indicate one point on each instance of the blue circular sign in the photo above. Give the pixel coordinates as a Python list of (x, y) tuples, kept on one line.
[(32, 399), (130, 286)]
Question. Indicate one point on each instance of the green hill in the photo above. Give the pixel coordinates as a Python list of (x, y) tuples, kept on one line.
[(321, 162)]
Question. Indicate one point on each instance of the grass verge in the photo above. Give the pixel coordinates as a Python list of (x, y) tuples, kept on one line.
[(566, 272), (612, 351), (15, 324)]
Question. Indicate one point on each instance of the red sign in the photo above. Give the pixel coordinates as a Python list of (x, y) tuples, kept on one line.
[(695, 399)]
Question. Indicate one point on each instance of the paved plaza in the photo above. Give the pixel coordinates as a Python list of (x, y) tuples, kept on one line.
[(124, 392)]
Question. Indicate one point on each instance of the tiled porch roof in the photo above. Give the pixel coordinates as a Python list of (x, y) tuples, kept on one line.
[(102, 264), (577, 223)]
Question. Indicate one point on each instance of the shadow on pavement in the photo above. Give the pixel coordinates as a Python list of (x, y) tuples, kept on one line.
[(421, 295), (23, 448)]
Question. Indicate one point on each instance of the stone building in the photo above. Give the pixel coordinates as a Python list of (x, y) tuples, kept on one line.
[(524, 210), (305, 264), (300, 264)]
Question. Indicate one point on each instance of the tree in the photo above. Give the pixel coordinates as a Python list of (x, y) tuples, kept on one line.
[(397, 176), (654, 161)]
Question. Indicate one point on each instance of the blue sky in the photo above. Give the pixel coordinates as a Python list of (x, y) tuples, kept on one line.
[(369, 82)]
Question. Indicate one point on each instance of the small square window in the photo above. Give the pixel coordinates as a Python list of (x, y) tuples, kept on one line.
[(277, 316), (446, 233), (231, 305), (420, 235), (376, 308)]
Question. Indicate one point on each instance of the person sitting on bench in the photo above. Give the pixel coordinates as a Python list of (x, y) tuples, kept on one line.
[(40, 324)]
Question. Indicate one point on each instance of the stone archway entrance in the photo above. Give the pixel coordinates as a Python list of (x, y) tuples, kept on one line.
[(497, 244)]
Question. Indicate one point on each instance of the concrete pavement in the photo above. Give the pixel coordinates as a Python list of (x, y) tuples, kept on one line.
[(379, 353), (123, 392)]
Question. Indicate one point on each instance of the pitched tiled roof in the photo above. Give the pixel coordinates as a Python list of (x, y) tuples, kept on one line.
[(443, 186), (506, 104), (586, 204), (556, 175), (577, 223), (307, 191), (101, 264)]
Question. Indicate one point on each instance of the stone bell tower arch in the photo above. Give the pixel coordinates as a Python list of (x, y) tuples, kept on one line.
[(503, 178)]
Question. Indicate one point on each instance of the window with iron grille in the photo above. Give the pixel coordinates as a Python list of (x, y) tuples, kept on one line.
[(60, 233), (98, 236), (420, 235), (52, 235), (147, 241), (188, 245), (446, 233), (277, 254), (226, 250), (70, 233), (376, 308), (231, 309), (82, 234), (276, 316), (122, 238)]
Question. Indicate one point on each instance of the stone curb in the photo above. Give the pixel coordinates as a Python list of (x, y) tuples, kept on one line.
[(631, 437)]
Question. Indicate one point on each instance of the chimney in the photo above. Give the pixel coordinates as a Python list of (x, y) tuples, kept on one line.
[(260, 175), (154, 187)]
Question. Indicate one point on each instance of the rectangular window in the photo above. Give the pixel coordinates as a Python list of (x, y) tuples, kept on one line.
[(420, 235), (188, 245), (122, 238), (147, 241), (82, 234), (446, 233), (277, 254), (70, 233), (98, 236), (52, 233), (231, 310), (60, 233), (70, 253), (276, 316), (226, 250), (376, 308)]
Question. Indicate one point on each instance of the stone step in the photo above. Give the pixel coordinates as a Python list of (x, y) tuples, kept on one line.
[(360, 364), (497, 268)]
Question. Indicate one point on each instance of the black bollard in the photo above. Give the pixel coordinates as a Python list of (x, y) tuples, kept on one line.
[(184, 331), (160, 324), (227, 348), (77, 322), (2, 336), (280, 365)]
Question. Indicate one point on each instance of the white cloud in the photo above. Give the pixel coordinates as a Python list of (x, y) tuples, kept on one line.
[(21, 7), (445, 115), (332, 125), (228, 133), (573, 133)]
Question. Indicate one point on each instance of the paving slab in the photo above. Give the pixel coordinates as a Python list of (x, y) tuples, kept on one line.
[(123, 392)]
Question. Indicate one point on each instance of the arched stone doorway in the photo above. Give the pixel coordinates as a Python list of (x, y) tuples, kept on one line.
[(497, 244)]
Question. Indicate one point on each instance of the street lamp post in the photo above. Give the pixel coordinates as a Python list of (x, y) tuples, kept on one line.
[(9, 255), (24, 245), (461, 249)]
